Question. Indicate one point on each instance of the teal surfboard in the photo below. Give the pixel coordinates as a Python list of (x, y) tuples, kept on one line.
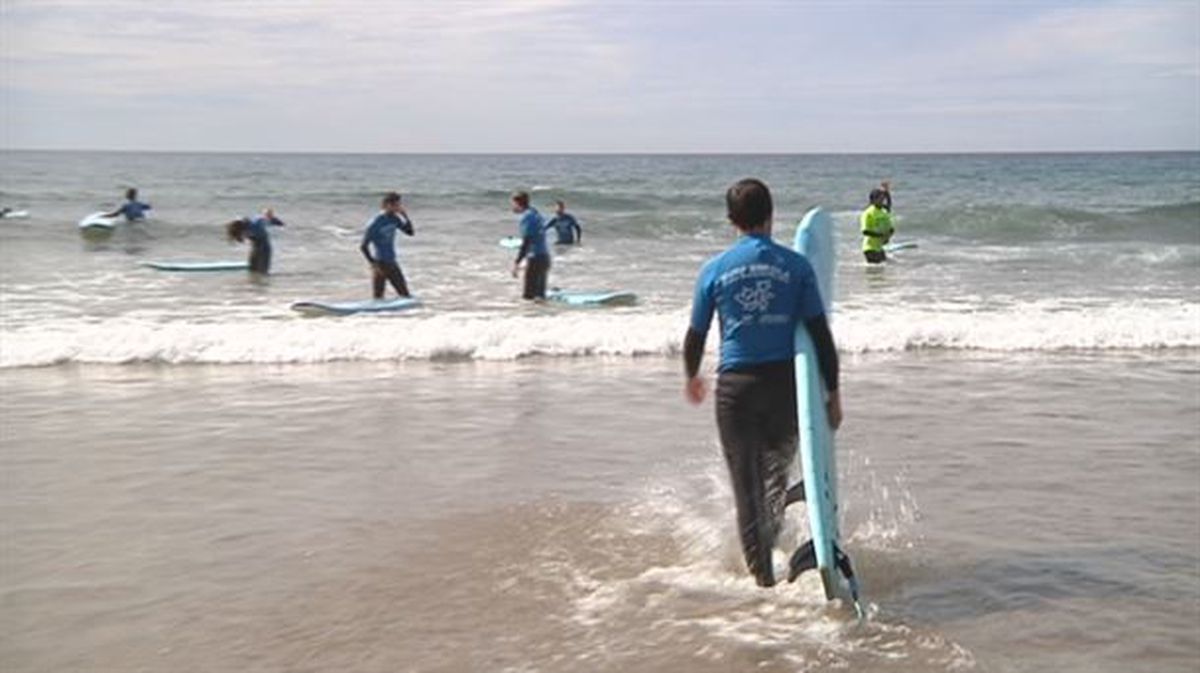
[(197, 267), (615, 298), (510, 242), (815, 240), (319, 308)]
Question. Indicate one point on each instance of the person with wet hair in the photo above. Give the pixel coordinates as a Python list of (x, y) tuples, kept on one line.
[(380, 236), (761, 292)]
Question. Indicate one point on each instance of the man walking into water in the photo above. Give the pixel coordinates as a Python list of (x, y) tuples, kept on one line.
[(381, 235), (533, 250), (761, 292)]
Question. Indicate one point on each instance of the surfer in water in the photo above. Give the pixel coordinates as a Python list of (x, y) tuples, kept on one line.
[(876, 225), (255, 229), (132, 209), (533, 250), (565, 224), (761, 291), (381, 235)]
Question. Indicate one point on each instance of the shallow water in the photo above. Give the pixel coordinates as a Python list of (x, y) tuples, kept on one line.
[(1005, 512)]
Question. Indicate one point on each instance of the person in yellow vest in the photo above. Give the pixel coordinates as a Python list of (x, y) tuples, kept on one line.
[(876, 225)]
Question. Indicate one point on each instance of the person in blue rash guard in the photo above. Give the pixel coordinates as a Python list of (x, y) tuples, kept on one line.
[(761, 291), (256, 229), (569, 232), (381, 235), (533, 247), (132, 209)]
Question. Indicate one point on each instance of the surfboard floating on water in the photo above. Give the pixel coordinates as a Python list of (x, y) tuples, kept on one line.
[(14, 214), (814, 240), (616, 298), (197, 266), (319, 308), (510, 242), (96, 224), (900, 245)]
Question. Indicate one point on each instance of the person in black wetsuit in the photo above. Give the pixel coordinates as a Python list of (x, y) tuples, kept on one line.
[(381, 235), (256, 229), (565, 225), (761, 291), (534, 250)]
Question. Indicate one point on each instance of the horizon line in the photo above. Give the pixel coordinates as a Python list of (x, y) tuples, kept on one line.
[(607, 153)]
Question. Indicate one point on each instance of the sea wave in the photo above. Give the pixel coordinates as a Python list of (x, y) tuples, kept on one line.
[(1045, 326)]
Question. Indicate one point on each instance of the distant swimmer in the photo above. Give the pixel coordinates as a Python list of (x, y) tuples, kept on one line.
[(569, 232), (533, 247), (381, 236), (132, 209), (761, 292), (876, 225), (256, 229)]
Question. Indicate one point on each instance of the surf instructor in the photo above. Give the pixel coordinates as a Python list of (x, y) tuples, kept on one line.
[(381, 235), (761, 292), (876, 225)]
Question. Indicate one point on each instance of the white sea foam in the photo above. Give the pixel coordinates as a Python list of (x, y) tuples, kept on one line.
[(1043, 326)]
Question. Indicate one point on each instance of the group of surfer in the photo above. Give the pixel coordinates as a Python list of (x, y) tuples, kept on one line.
[(378, 242)]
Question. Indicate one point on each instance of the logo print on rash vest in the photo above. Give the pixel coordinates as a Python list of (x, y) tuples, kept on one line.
[(757, 298)]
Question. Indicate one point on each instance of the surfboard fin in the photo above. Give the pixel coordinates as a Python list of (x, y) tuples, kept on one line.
[(795, 494), (847, 570), (804, 558)]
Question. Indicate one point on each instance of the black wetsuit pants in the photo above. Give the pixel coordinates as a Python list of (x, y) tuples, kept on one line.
[(875, 256), (388, 272), (260, 256), (536, 271), (756, 416)]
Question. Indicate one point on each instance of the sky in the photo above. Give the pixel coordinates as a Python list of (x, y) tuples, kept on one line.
[(572, 76)]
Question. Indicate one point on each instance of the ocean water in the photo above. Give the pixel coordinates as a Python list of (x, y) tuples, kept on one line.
[(196, 478)]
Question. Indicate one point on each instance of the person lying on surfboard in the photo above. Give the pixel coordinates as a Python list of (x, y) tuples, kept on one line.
[(132, 209), (761, 291), (876, 225), (381, 235), (255, 229)]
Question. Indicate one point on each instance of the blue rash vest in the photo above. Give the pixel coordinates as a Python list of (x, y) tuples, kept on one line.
[(761, 291), (134, 210), (381, 234), (531, 228), (566, 226), (257, 229)]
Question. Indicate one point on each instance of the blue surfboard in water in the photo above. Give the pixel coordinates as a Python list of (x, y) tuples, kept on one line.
[(815, 240), (319, 308), (600, 298)]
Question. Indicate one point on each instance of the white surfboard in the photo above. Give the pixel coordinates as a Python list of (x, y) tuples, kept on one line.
[(99, 221), (815, 240), (510, 242), (14, 215), (899, 245), (197, 266), (603, 298), (321, 308)]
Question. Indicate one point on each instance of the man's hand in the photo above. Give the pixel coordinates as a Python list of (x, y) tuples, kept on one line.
[(833, 409), (695, 389)]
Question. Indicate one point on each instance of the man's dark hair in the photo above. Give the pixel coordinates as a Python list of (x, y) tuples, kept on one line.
[(522, 199), (748, 204), (391, 197), (560, 204), (131, 193)]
